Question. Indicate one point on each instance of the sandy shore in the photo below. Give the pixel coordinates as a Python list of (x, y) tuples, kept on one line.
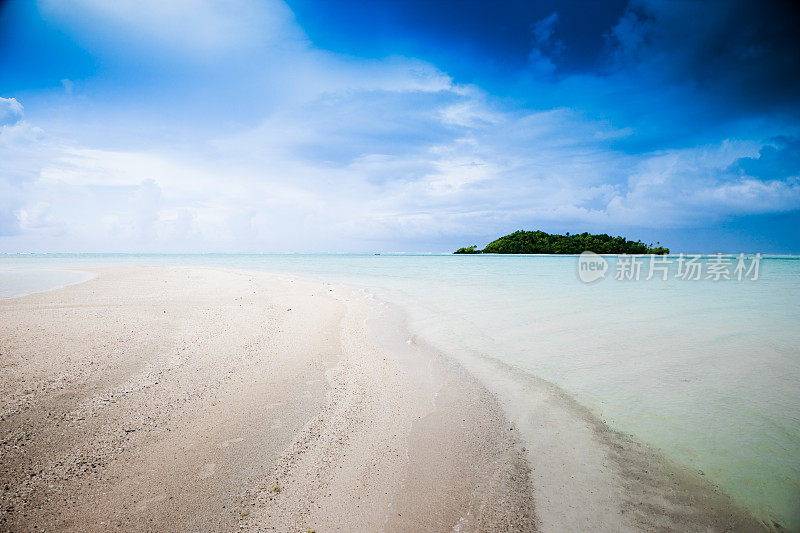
[(190, 399), (176, 399)]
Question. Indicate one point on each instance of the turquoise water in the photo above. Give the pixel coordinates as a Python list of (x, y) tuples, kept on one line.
[(707, 371)]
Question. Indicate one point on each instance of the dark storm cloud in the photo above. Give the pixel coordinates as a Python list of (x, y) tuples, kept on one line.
[(746, 53), (705, 62), (471, 39)]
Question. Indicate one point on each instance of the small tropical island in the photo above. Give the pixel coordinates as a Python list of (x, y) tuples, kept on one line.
[(539, 242)]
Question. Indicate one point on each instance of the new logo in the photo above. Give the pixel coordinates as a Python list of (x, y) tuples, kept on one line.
[(591, 267)]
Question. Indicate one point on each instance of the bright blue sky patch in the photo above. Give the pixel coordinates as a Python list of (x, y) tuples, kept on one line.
[(396, 125)]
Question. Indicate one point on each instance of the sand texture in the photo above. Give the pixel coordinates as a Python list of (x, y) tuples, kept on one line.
[(194, 399), (174, 399)]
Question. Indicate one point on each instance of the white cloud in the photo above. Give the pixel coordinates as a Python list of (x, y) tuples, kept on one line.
[(268, 188), (10, 112), (38, 217), (750, 196), (69, 86)]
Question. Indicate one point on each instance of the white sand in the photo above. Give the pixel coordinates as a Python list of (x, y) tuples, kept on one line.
[(176, 399)]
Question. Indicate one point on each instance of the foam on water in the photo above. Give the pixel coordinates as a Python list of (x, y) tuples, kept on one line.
[(708, 372)]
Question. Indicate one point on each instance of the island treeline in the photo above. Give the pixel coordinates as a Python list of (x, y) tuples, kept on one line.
[(539, 242)]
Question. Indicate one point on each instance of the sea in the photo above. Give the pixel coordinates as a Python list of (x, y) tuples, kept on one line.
[(700, 361)]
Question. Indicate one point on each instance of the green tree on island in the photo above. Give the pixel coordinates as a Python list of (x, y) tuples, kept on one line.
[(539, 242), (468, 250)]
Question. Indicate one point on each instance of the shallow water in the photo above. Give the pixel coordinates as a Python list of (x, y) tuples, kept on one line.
[(19, 280), (707, 371)]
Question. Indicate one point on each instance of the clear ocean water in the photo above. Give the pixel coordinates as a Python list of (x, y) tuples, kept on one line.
[(707, 371)]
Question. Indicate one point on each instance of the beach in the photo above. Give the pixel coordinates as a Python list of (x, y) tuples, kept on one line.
[(189, 398)]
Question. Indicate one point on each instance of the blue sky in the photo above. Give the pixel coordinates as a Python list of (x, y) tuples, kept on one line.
[(250, 126)]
